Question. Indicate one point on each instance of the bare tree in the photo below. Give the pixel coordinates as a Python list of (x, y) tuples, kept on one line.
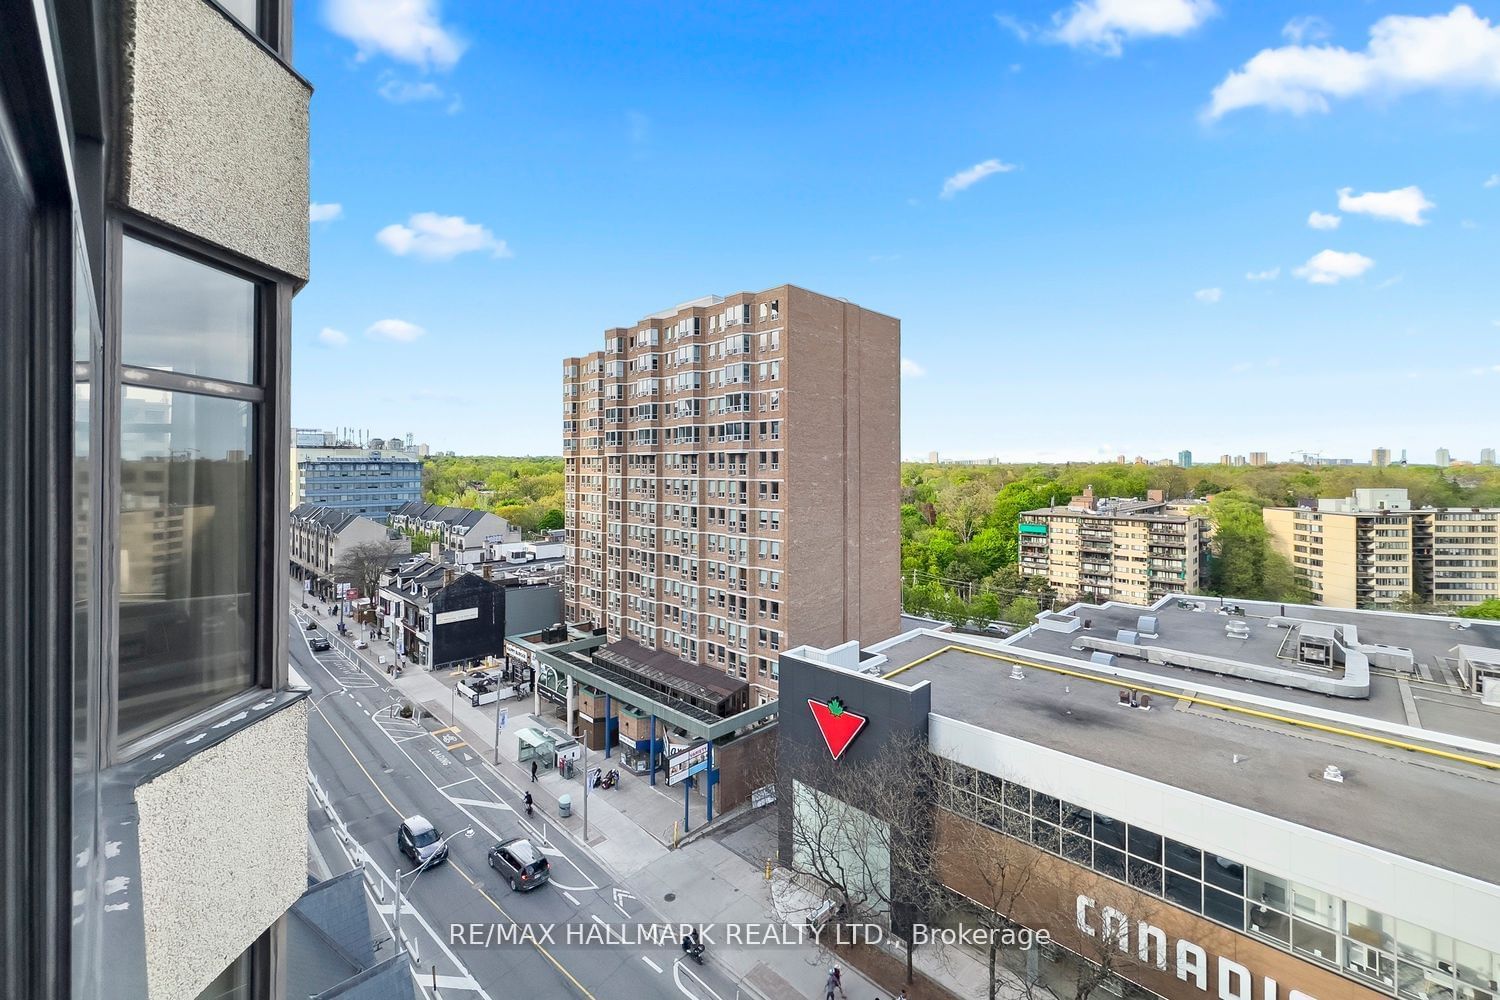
[(862, 833), (361, 565)]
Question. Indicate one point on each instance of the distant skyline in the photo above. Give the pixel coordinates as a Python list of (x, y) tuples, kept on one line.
[(1099, 225)]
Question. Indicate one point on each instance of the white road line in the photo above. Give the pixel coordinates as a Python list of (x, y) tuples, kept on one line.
[(574, 900), (460, 781), (647, 960), (678, 969), (481, 803)]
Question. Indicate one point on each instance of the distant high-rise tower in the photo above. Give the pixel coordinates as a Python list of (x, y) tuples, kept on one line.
[(932, 458), (1259, 458), (1444, 458), (1380, 457), (1486, 456), (1226, 459), (1185, 459)]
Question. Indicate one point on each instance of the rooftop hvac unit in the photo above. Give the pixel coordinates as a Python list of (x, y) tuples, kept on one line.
[(1102, 658), (1126, 636), (1146, 625)]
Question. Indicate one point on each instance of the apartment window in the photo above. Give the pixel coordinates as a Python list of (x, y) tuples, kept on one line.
[(188, 513), (259, 17)]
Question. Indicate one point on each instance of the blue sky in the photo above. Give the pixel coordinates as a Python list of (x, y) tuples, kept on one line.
[(1064, 203)]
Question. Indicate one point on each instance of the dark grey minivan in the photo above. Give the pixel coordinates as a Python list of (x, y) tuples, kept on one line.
[(419, 840), (521, 864)]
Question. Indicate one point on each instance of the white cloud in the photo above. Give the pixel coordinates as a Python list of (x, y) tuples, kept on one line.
[(966, 179), (333, 338), (1401, 205), (1020, 29), (409, 92), (1453, 51), (1105, 25), (1209, 295), (910, 369), (1493, 181), (1309, 28), (408, 31), (439, 237), (1270, 274), (1329, 267), (324, 212), (1323, 220), (397, 330)]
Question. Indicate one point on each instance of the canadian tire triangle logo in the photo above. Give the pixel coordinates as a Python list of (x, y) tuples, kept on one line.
[(838, 725)]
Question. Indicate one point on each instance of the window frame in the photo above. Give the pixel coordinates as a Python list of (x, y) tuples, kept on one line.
[(269, 397)]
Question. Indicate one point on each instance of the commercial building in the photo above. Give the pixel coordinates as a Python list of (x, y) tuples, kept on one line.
[(1113, 549), (434, 614), (368, 481), (153, 231), (1486, 456), (732, 479), (1185, 459), (1380, 457), (1373, 550), (467, 534), (320, 537), (1259, 458), (1443, 458), (1280, 801)]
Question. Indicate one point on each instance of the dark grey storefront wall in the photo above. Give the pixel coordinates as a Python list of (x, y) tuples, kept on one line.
[(890, 710), (473, 638)]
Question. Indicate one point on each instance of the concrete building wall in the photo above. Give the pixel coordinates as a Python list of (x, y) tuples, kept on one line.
[(215, 133), (530, 609), (223, 851)]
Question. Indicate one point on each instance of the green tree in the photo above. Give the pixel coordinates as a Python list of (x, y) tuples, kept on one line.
[(1485, 609)]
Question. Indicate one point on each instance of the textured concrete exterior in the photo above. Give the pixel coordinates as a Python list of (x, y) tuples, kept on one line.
[(215, 133), (223, 846)]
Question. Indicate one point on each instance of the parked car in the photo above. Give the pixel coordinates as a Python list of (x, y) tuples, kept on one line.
[(319, 644), (419, 840), (520, 864), (310, 625)]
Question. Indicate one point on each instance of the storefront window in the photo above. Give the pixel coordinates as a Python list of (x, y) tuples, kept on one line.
[(1185, 892), (1314, 941), (1185, 859)]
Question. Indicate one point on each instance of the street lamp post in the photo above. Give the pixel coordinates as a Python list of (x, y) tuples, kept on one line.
[(414, 873)]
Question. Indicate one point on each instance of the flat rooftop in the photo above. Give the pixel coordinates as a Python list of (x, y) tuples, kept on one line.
[(1422, 806)]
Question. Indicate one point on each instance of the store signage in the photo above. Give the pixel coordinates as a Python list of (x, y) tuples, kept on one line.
[(687, 761), (838, 725), (449, 617), (1232, 981)]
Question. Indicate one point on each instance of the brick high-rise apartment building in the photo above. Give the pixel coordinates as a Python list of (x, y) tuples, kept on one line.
[(733, 479)]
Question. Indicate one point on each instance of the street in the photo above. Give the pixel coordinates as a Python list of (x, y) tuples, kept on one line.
[(582, 935)]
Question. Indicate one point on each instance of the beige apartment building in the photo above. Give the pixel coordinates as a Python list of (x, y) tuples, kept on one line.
[(732, 480), (1103, 549), (1373, 549)]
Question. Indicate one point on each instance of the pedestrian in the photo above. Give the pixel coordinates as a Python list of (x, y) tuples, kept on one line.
[(533, 771), (835, 984), (901, 995)]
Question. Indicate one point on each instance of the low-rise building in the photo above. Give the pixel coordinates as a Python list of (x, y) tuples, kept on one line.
[(367, 481), (435, 614), (1374, 550), (1113, 548), (462, 531), (1191, 802), (320, 538)]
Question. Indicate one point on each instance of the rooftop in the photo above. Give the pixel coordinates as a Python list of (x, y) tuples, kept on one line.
[(1421, 757)]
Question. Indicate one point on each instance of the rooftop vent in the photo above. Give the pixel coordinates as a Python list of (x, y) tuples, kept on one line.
[(1016, 674), (1333, 773)]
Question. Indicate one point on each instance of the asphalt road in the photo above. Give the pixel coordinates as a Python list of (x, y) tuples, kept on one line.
[(579, 936)]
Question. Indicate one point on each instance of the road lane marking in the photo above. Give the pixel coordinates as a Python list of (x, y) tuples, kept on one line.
[(460, 781), (481, 803), (571, 898), (647, 960), (678, 969)]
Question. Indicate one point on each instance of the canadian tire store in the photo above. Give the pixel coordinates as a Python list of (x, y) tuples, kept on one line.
[(1157, 888)]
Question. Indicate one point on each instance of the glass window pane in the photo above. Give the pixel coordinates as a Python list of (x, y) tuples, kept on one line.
[(1224, 873), (1078, 849), (245, 11), (182, 316), (1416, 943), (1184, 858), (989, 787), (991, 815), (1044, 835), (1108, 831), (1018, 796), (1362, 960), (1044, 807), (1017, 824), (1268, 923), (233, 983), (187, 554), (1145, 844), (1268, 890), (1476, 966), (1312, 940), (1145, 876), (1226, 909), (1370, 927), (1185, 892), (1108, 861), (1077, 819), (1316, 906)]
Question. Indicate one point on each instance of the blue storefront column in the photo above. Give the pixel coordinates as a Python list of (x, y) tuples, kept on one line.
[(708, 777), (651, 751), (607, 741)]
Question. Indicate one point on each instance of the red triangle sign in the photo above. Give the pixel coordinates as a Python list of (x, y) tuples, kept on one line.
[(838, 725)]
